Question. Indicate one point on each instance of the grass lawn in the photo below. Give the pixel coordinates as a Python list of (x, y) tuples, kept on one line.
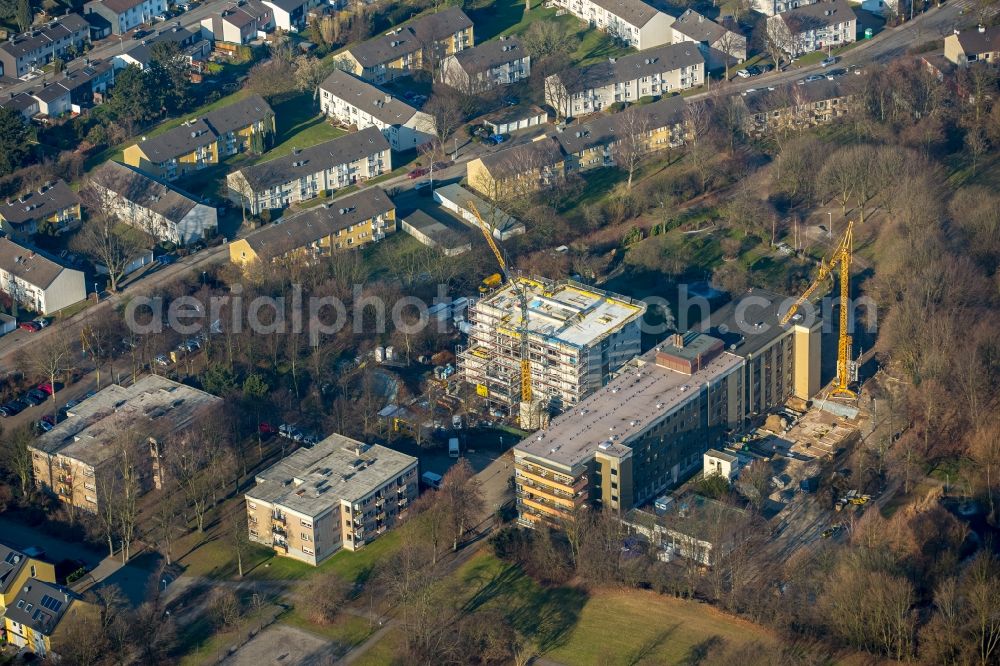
[(384, 652), (594, 44), (214, 559), (641, 627), (352, 566), (346, 630), (299, 125)]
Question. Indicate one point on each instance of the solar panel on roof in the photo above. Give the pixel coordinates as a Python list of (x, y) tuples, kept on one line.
[(51, 603)]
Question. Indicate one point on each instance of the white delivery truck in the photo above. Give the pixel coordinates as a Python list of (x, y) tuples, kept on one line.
[(453, 447)]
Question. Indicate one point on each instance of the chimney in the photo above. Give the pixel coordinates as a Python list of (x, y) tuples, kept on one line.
[(678, 340)]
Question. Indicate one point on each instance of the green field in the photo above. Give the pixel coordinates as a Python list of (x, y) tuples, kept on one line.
[(299, 124)]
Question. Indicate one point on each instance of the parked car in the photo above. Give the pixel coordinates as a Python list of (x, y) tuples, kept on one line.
[(442, 165), (266, 429), (417, 173), (11, 408), (827, 62), (70, 404), (41, 321), (139, 34), (497, 139), (165, 259), (743, 74), (30, 326), (44, 426), (814, 77), (33, 397), (48, 418), (162, 360), (47, 388)]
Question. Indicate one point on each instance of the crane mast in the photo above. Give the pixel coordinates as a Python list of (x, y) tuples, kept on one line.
[(841, 259), (526, 393)]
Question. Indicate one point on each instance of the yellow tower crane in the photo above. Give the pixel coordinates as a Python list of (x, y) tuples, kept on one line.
[(526, 394), (842, 258)]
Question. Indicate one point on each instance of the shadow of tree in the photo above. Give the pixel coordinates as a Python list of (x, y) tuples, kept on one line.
[(700, 651), (647, 649)]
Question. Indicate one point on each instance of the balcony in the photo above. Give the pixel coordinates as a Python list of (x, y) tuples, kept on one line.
[(279, 531)]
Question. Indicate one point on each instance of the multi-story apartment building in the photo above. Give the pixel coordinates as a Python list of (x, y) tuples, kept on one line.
[(307, 174), (578, 337), (794, 107), (60, 38), (355, 102), (827, 24), (80, 459), (340, 493), (192, 47), (53, 204), (123, 15), (243, 126), (349, 222), (775, 7), (633, 22), (499, 62), (164, 212), (645, 431), (419, 45), (659, 126), (718, 43), (780, 362), (968, 46), (239, 23), (665, 69), (37, 282), (517, 171)]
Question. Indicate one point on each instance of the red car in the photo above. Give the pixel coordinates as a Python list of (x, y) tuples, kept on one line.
[(30, 326), (267, 429), (417, 173), (45, 388)]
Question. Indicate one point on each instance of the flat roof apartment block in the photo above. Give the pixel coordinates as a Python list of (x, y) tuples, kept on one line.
[(577, 338), (341, 493), (637, 436)]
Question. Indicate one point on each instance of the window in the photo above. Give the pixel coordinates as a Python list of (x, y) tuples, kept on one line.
[(306, 524), (306, 537), (251, 506), (307, 551)]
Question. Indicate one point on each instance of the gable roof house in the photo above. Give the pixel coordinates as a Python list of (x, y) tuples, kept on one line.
[(306, 174), (661, 125), (290, 15), (577, 92), (418, 45), (192, 45), (518, 170), (42, 44), (351, 221), (54, 203), (21, 102), (633, 22), (795, 107), (240, 23), (16, 568), (32, 620), (496, 63), (239, 127), (123, 15), (814, 27), (37, 282), (979, 45), (355, 102), (152, 205), (775, 7), (717, 42)]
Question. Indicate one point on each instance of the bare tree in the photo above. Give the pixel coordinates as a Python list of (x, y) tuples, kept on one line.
[(445, 108), (731, 44), (103, 236), (51, 358), (632, 129), (461, 490), (237, 536), (16, 457)]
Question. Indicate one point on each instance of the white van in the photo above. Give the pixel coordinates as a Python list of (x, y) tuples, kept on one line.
[(453, 450)]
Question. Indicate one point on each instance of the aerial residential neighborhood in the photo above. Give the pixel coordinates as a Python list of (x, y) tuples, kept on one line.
[(565, 332)]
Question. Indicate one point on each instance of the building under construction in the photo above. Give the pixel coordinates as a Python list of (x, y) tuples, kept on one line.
[(577, 338)]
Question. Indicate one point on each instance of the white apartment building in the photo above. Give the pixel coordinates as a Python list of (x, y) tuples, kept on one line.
[(634, 22), (340, 493), (37, 282), (717, 42), (814, 27), (164, 212), (652, 73), (123, 15), (40, 45), (306, 174), (355, 102), (577, 338), (499, 62), (774, 7)]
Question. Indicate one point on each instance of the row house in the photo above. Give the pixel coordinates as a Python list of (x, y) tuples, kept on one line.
[(244, 126), (795, 107), (356, 103), (349, 222), (653, 73), (823, 25), (124, 15), (979, 45), (718, 43), (496, 63), (633, 22), (517, 171), (312, 172), (419, 45), (775, 7), (240, 23), (27, 51), (193, 47)]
